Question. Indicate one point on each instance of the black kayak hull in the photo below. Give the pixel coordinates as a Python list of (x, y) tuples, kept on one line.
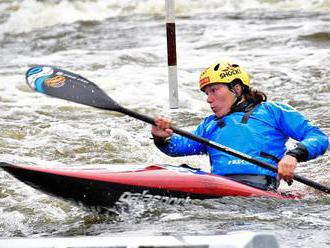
[(105, 189)]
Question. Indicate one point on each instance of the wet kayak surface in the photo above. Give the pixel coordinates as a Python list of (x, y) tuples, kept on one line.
[(121, 46)]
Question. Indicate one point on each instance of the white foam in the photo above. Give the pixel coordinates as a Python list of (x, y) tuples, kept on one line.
[(32, 14), (29, 15)]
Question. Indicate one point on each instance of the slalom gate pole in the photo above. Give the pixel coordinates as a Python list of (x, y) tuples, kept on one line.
[(171, 54)]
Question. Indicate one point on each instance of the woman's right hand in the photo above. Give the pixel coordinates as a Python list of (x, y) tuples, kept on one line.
[(162, 129)]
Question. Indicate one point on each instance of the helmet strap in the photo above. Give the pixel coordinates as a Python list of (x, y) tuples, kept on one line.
[(240, 102), (238, 96)]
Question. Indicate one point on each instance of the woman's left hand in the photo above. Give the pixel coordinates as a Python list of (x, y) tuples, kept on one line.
[(286, 167)]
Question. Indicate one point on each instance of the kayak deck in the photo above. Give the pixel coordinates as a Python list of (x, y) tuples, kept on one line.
[(102, 187)]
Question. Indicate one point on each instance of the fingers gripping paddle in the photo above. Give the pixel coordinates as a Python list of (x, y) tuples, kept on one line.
[(66, 85)]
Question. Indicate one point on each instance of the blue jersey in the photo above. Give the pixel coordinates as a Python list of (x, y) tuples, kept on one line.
[(263, 137)]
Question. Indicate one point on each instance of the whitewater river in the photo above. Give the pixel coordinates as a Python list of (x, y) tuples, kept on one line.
[(121, 46)]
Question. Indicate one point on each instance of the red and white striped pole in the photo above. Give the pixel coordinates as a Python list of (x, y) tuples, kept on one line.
[(171, 54)]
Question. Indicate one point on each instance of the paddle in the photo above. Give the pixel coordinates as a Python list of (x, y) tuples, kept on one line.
[(66, 85)]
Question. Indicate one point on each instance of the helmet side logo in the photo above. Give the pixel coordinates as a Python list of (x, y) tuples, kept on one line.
[(203, 81)]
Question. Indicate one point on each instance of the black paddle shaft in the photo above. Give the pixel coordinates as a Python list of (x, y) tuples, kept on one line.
[(69, 86)]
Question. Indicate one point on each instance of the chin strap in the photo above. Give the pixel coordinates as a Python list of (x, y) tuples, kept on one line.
[(240, 104), (239, 98), (243, 106)]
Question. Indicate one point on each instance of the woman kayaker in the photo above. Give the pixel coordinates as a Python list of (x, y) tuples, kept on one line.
[(243, 120)]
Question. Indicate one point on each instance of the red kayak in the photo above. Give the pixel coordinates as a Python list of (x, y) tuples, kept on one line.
[(107, 186)]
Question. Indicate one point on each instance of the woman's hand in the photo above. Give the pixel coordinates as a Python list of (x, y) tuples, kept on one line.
[(286, 167), (163, 128)]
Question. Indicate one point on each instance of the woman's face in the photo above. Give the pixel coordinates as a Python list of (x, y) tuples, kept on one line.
[(220, 98)]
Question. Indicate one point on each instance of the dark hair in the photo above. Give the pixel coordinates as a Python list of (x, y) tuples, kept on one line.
[(255, 96), (250, 94)]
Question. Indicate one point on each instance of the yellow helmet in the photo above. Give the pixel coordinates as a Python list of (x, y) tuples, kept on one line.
[(224, 72)]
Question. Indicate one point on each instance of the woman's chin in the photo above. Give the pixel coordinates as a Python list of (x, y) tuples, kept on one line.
[(220, 114)]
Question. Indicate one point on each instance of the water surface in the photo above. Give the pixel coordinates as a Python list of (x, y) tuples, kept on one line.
[(121, 46)]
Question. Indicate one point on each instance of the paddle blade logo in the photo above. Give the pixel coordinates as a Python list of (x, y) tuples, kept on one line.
[(55, 82)]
